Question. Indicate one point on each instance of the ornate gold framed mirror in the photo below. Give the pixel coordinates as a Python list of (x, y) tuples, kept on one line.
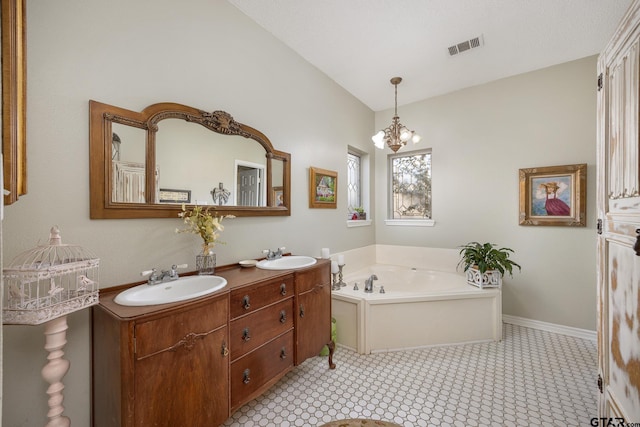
[(147, 164)]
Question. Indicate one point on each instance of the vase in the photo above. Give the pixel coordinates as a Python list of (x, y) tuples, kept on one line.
[(206, 263)]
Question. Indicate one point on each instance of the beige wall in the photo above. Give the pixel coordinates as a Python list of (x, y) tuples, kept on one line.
[(203, 53), (480, 138), (210, 56)]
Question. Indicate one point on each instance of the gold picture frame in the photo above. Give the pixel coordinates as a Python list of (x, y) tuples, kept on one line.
[(278, 196), (14, 98), (323, 188), (554, 195)]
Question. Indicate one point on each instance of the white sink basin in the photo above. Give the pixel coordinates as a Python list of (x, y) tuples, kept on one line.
[(178, 290), (287, 263)]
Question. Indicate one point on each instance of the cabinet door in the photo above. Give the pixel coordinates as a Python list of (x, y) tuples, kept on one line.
[(313, 329), (181, 368), (619, 216)]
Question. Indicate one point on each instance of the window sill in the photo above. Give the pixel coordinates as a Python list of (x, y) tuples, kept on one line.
[(358, 222), (410, 222)]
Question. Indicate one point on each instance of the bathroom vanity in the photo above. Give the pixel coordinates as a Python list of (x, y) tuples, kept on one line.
[(195, 362)]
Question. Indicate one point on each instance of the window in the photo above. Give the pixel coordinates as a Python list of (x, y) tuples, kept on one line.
[(410, 186), (358, 188), (354, 181)]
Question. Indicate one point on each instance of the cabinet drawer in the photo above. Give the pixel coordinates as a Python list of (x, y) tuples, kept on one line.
[(307, 280), (177, 330), (250, 332), (245, 301), (258, 368)]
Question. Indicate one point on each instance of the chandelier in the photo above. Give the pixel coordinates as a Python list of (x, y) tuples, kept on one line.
[(396, 135)]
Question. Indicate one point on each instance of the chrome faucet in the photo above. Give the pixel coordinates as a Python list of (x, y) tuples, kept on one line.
[(368, 283), (271, 255), (164, 276)]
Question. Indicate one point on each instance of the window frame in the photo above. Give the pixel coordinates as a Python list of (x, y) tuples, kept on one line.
[(364, 185), (418, 222)]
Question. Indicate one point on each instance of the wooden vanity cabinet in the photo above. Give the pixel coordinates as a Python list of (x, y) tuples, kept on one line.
[(313, 303), (196, 362), (167, 368)]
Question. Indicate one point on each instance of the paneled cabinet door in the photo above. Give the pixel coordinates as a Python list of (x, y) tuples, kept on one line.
[(186, 385), (313, 328), (618, 204), (313, 311)]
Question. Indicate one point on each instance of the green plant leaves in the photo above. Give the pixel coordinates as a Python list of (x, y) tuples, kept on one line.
[(487, 256)]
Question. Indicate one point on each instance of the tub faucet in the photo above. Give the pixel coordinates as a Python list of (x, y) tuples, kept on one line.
[(368, 283)]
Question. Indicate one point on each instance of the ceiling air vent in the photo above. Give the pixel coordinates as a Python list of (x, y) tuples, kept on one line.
[(465, 45)]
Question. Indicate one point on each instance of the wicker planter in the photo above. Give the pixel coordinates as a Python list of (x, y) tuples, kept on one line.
[(490, 278)]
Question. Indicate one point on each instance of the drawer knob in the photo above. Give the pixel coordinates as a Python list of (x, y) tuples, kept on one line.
[(283, 353), (283, 316), (245, 335), (245, 302), (301, 310), (283, 289), (225, 349), (245, 376)]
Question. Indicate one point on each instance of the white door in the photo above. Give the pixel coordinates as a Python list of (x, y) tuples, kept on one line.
[(619, 224), (248, 186)]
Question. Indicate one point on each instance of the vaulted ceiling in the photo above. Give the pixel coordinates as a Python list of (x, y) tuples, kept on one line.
[(361, 44)]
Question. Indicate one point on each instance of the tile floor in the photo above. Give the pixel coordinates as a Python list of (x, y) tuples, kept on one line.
[(530, 378)]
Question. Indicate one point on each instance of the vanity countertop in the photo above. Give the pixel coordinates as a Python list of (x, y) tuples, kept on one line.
[(236, 276)]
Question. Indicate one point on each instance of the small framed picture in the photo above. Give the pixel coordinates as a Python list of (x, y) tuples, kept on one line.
[(278, 196), (167, 195), (554, 195), (323, 188)]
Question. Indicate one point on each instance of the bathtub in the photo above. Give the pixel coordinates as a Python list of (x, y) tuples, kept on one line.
[(420, 307)]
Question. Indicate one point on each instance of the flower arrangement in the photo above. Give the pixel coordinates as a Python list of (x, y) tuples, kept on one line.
[(200, 221)]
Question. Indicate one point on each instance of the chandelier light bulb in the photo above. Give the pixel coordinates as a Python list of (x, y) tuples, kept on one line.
[(416, 138), (378, 139), (405, 134)]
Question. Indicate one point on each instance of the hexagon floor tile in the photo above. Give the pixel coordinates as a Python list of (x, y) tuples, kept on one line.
[(530, 378)]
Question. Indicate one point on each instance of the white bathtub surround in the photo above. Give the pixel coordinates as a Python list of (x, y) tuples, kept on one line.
[(426, 302), (407, 256)]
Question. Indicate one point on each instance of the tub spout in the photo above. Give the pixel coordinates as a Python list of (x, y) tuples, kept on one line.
[(368, 283)]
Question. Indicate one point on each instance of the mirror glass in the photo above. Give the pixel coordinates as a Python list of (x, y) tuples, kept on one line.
[(147, 164), (217, 169), (128, 164)]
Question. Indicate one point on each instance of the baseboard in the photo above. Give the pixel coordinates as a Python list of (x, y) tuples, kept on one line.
[(550, 327)]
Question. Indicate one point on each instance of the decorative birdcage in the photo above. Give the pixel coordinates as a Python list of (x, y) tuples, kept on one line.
[(49, 281)]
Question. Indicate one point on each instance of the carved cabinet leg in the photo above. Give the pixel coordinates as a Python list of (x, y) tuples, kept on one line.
[(332, 348)]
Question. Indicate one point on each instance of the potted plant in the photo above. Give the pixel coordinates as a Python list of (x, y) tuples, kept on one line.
[(359, 213), (485, 264)]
